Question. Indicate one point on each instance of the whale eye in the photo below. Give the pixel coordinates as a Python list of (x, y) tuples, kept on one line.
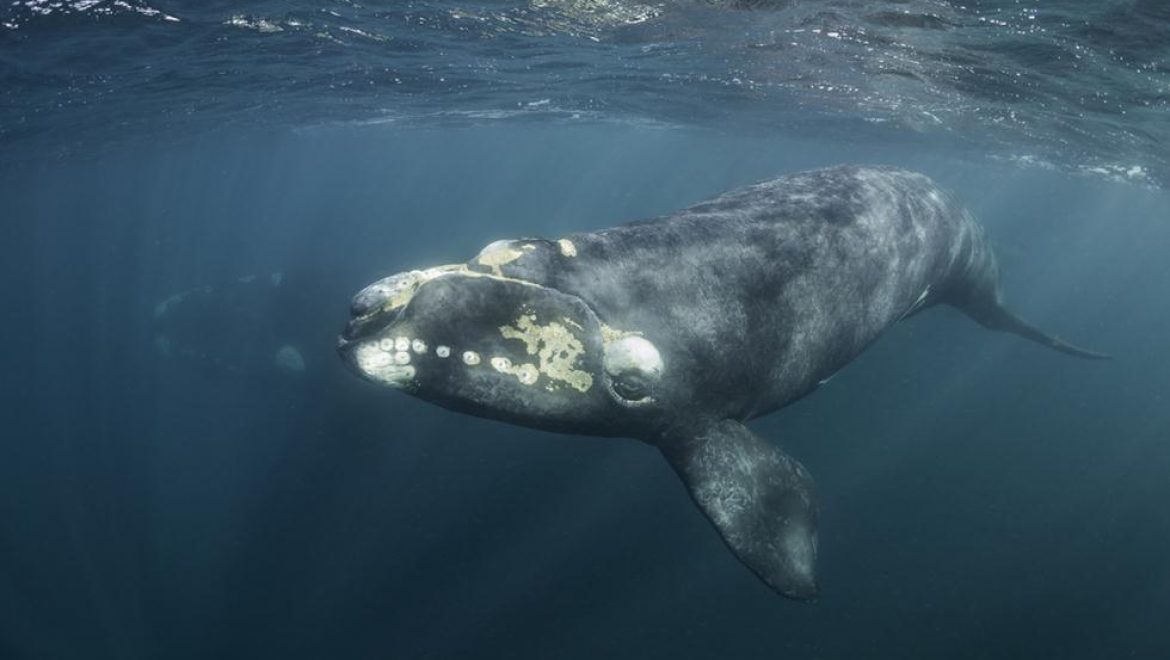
[(634, 368), (631, 386)]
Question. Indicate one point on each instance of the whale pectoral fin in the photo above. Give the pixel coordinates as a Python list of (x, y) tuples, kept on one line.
[(757, 497)]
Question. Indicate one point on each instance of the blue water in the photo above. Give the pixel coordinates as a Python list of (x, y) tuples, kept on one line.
[(981, 497), (1076, 84)]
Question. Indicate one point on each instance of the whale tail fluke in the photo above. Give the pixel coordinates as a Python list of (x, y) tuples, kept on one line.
[(758, 498), (995, 316)]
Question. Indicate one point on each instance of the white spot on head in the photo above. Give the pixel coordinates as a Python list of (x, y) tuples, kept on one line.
[(380, 366), (494, 246), (386, 344), (368, 359), (567, 247), (502, 364), (394, 291), (418, 346), (443, 351), (498, 253), (633, 354), (633, 367), (402, 358), (402, 344), (527, 374), (470, 358)]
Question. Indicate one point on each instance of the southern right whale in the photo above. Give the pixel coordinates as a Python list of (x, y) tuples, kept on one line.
[(677, 330)]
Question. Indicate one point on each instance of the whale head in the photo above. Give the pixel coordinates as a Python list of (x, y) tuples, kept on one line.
[(505, 336), (502, 348)]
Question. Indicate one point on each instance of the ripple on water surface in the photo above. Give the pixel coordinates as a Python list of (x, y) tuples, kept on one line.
[(1080, 84)]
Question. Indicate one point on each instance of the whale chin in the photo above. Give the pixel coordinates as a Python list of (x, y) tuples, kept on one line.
[(369, 361)]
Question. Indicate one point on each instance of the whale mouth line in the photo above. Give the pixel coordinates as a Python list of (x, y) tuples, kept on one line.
[(368, 325)]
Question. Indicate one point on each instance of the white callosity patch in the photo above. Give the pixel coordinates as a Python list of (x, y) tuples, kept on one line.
[(567, 247), (389, 359), (500, 247), (633, 366), (381, 366), (556, 348), (498, 253), (634, 354), (395, 291), (470, 358), (526, 373)]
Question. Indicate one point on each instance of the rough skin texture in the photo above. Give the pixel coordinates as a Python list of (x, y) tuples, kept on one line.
[(739, 305)]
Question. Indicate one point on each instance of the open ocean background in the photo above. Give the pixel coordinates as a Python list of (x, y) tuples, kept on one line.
[(168, 490)]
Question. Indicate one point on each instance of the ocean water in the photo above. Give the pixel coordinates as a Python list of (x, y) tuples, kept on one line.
[(190, 193)]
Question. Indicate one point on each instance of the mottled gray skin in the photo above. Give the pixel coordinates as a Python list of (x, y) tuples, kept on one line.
[(751, 300), (765, 291)]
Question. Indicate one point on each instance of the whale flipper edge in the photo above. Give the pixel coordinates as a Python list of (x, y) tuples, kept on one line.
[(759, 499)]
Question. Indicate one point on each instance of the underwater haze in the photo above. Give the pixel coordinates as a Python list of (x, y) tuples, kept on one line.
[(191, 193)]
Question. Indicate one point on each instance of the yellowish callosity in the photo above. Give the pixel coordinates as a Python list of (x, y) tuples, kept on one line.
[(406, 293), (567, 247), (504, 254), (557, 350), (526, 373), (609, 334), (403, 295)]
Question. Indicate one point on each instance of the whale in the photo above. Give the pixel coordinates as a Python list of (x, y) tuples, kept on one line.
[(677, 330)]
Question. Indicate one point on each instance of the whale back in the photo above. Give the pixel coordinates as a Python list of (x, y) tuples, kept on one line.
[(763, 292)]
